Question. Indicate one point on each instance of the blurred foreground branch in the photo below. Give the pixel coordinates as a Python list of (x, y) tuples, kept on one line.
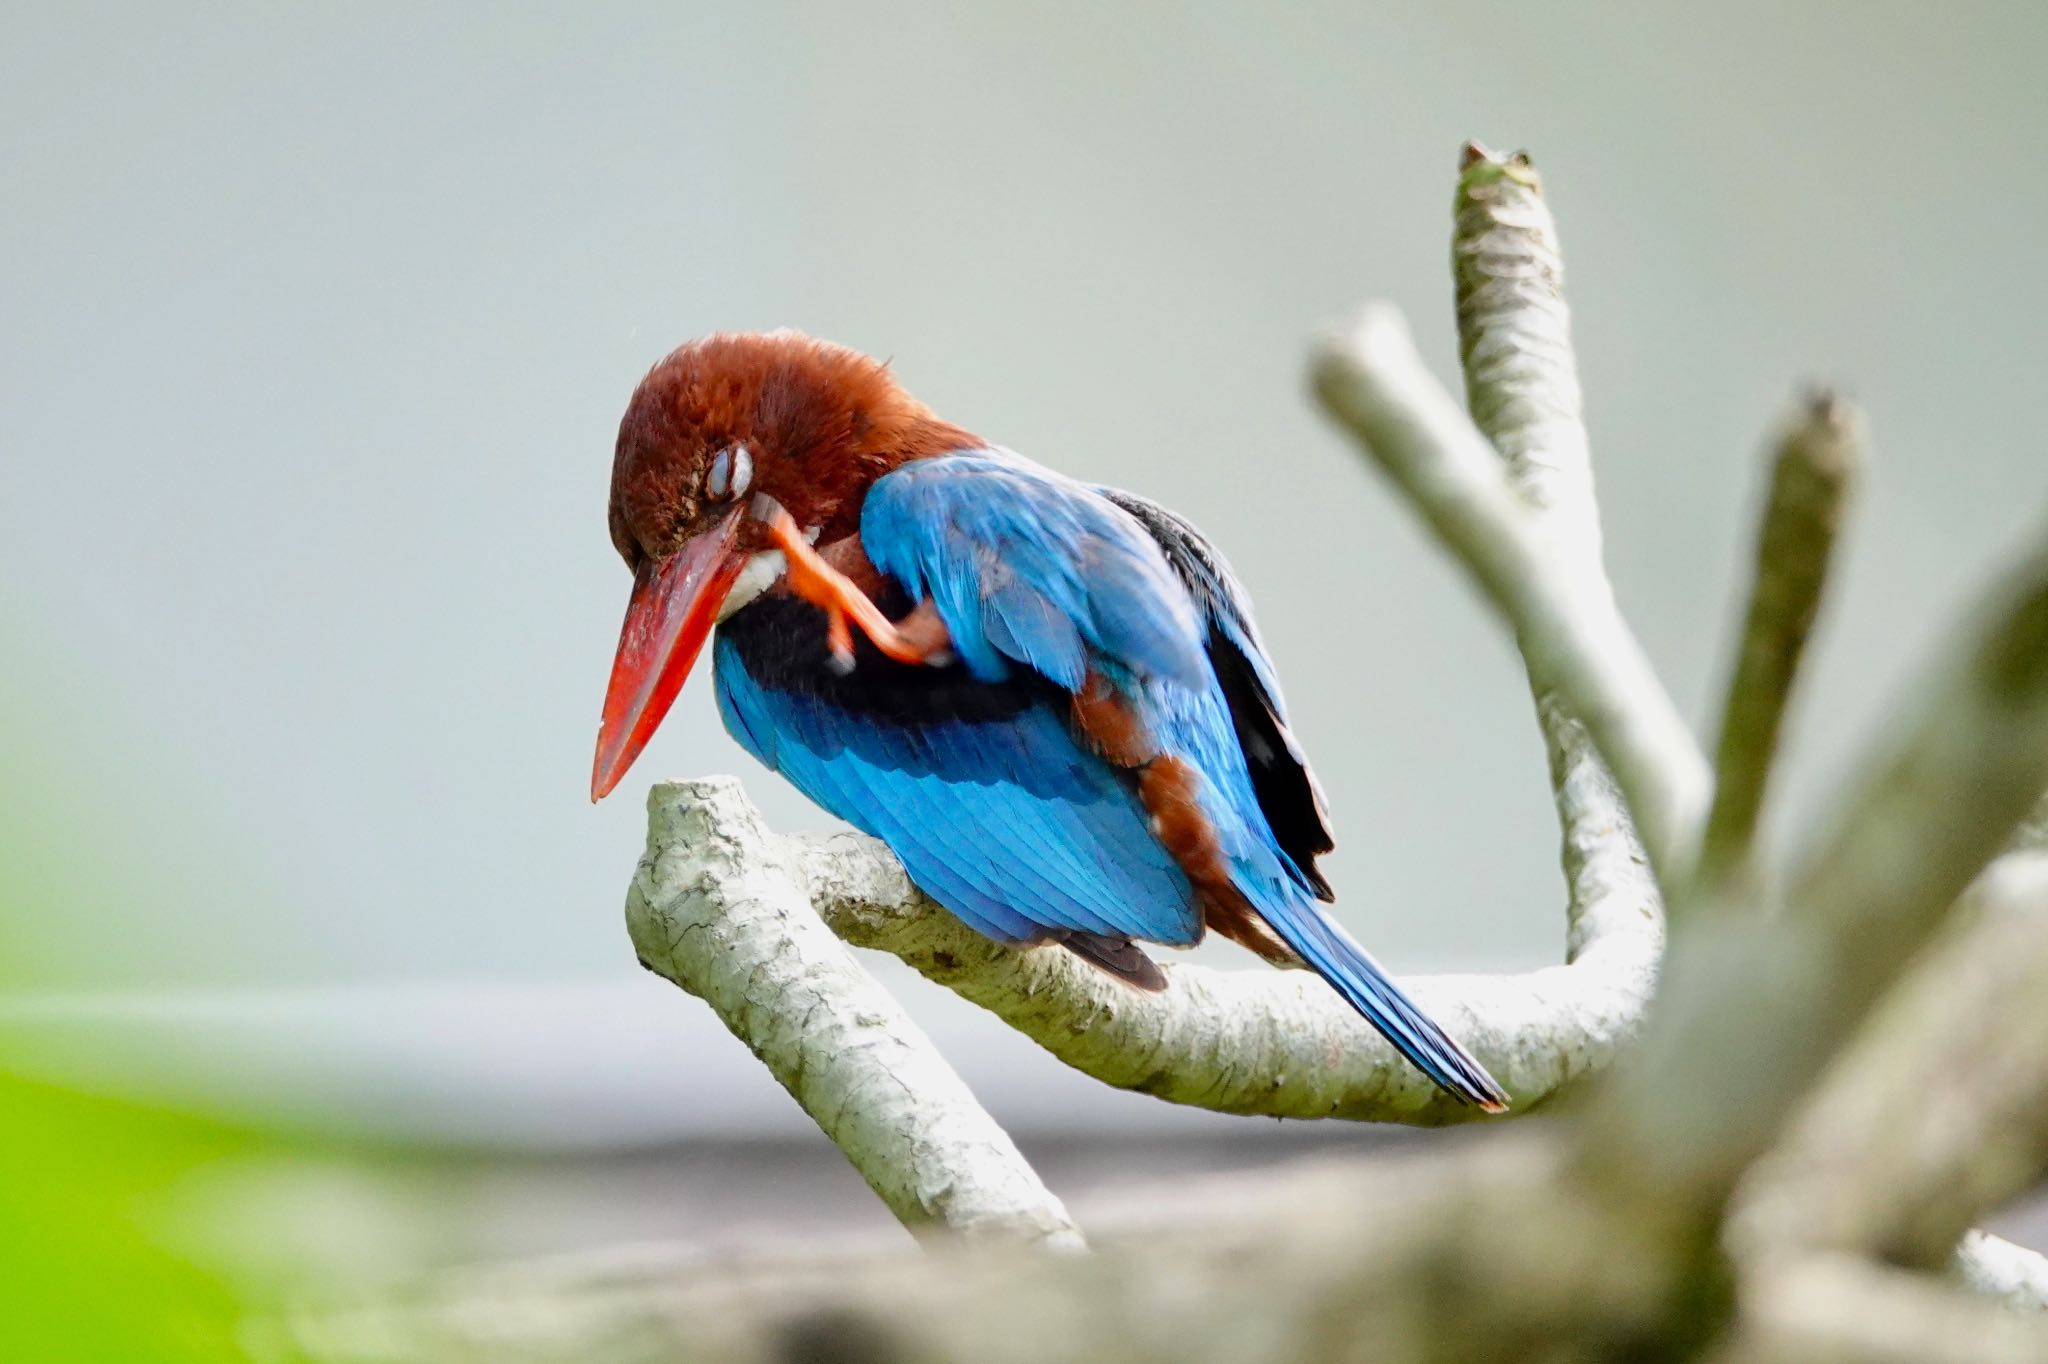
[(1937, 1114)]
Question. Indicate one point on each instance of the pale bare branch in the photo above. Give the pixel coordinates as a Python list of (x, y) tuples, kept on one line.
[(1255, 1040), (1574, 1241), (1814, 467), (716, 911), (1371, 380), (1515, 343), (1836, 1309), (1522, 385), (1996, 1268), (1488, 1253)]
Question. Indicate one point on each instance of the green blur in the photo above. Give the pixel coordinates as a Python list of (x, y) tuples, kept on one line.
[(104, 1251), (85, 1187)]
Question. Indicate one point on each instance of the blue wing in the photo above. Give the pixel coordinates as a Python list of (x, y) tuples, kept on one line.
[(973, 773), (1029, 567), (1287, 791), (1026, 566), (1003, 818)]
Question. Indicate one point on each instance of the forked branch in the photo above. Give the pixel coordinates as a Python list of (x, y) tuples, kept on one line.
[(1605, 1233)]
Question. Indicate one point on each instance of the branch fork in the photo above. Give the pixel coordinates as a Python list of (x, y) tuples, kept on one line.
[(1646, 821)]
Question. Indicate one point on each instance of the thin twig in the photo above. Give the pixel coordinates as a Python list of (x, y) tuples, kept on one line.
[(1515, 344), (1814, 469), (1522, 385)]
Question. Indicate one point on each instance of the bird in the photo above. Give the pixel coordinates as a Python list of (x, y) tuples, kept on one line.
[(1047, 697)]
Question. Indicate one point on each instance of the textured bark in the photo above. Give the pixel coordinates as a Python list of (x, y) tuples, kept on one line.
[(1278, 1043), (1522, 387), (716, 910), (1813, 470)]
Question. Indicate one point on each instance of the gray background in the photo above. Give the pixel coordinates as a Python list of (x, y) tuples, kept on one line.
[(318, 321)]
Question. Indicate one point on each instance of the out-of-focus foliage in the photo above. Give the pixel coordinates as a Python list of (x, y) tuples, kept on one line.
[(97, 1265), (88, 1273)]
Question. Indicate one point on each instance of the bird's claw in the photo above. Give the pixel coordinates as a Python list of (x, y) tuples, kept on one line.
[(825, 587), (838, 640)]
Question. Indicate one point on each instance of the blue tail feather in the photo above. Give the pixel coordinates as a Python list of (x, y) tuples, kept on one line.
[(1353, 973)]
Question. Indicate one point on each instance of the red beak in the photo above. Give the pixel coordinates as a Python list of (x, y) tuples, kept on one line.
[(675, 603)]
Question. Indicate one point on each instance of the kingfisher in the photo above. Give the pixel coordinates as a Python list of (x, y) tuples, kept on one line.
[(1047, 697)]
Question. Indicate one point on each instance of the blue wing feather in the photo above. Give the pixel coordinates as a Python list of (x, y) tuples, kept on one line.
[(1008, 818), (1010, 823), (1058, 572), (1284, 786)]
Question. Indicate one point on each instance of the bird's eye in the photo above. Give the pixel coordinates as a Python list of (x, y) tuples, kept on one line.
[(732, 469)]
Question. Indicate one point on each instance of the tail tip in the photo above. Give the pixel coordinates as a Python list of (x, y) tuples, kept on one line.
[(1472, 1083)]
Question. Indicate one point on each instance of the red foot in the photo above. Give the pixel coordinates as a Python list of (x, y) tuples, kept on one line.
[(844, 604)]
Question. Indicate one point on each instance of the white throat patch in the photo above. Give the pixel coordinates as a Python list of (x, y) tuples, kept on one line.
[(760, 574), (757, 577)]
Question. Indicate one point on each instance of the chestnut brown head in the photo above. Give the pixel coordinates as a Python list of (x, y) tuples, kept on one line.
[(807, 422), (720, 422)]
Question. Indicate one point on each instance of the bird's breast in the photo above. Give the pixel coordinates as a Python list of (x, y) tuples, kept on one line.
[(781, 641)]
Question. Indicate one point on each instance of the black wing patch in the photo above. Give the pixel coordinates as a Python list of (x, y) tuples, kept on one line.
[(1287, 791)]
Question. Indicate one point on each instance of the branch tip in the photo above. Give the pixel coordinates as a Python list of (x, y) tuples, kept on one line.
[(1814, 463), (1479, 165)]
